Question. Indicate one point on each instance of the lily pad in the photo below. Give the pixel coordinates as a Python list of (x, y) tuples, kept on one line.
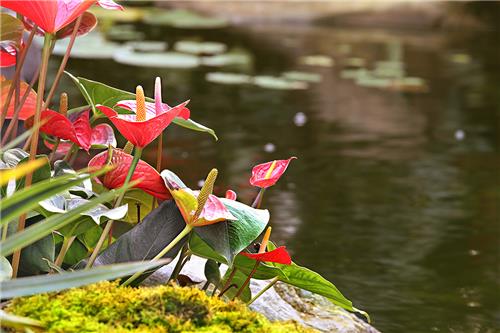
[(90, 46), (317, 60), (124, 32), (193, 47), (278, 83), (235, 57), (228, 78), (302, 76), (147, 46), (354, 62), (131, 14), (183, 19), (126, 55)]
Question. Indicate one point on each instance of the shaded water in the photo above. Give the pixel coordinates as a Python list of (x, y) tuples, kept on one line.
[(394, 197)]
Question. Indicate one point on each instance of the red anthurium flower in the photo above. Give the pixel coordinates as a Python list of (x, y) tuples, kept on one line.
[(7, 56), (231, 195), (157, 116), (29, 105), (187, 201), (267, 174), (53, 15), (101, 136), (278, 255), (150, 180)]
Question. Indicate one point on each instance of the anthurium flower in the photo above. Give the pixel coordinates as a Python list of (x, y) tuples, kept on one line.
[(75, 128), (150, 180), (231, 195), (267, 174), (29, 105), (7, 56), (101, 136), (278, 255), (188, 203), (146, 125), (53, 15)]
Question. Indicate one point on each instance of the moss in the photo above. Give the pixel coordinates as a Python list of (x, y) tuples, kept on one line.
[(105, 307)]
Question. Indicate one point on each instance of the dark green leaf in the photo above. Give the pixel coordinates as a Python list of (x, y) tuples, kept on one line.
[(56, 282), (229, 238), (238, 279), (212, 272), (76, 252), (42, 173), (32, 256)]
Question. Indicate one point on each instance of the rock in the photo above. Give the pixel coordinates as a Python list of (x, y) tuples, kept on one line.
[(282, 302)]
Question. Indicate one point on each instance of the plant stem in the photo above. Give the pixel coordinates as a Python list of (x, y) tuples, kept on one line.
[(247, 281), (187, 229), (5, 230), (64, 61), (180, 262), (228, 281), (258, 199), (17, 75), (54, 150), (266, 288), (109, 224), (34, 138), (64, 248)]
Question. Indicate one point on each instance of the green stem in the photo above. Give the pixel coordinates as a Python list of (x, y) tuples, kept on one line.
[(258, 199), (71, 152), (109, 224), (266, 288), (34, 137), (247, 281), (64, 248), (54, 150), (167, 248), (180, 263)]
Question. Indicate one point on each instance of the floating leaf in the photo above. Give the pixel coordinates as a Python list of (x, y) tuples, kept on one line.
[(235, 57), (90, 46), (193, 47), (126, 55), (183, 19), (228, 78), (124, 32), (302, 76), (317, 60), (273, 82), (147, 46)]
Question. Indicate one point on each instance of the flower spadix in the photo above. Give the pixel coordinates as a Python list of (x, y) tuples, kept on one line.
[(198, 208)]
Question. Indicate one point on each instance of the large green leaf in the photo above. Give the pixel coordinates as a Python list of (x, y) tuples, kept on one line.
[(32, 256), (148, 238), (229, 238), (76, 253), (11, 30), (56, 282), (212, 272), (55, 222), (26, 199), (138, 201), (238, 280), (40, 174), (99, 93)]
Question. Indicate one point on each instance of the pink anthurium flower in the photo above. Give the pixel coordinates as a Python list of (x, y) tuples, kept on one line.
[(101, 136), (231, 195), (267, 174), (150, 180), (156, 118), (278, 255), (53, 15), (76, 130), (187, 201)]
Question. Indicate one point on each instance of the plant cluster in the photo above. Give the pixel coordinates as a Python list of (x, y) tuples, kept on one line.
[(59, 225)]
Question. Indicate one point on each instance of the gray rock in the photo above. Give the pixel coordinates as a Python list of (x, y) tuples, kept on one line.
[(282, 302)]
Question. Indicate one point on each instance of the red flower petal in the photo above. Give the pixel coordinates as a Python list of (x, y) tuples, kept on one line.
[(103, 135), (214, 211), (109, 4), (151, 181), (278, 255), (63, 147), (29, 106), (231, 195), (150, 109), (82, 130), (7, 56), (88, 23), (141, 133), (260, 176), (50, 15)]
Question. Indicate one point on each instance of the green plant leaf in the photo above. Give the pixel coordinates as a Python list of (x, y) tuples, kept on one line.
[(27, 199), (212, 272), (55, 222), (238, 279), (99, 93), (229, 238), (133, 198), (76, 252), (41, 173), (11, 29), (32, 256), (56, 282)]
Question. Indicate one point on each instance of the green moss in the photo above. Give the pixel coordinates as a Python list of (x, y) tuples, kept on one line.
[(105, 307)]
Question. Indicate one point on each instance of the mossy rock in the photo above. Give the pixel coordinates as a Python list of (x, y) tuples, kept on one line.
[(105, 307)]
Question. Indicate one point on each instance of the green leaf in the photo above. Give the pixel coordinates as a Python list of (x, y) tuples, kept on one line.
[(5, 269), (41, 173), (134, 198), (55, 222), (13, 321), (212, 272), (11, 29), (229, 238), (99, 93), (26, 199), (56, 282), (76, 252), (32, 256), (238, 279)]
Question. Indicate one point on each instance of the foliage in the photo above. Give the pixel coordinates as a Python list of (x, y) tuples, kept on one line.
[(105, 308)]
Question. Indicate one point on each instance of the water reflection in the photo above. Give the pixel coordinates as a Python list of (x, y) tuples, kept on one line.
[(385, 199)]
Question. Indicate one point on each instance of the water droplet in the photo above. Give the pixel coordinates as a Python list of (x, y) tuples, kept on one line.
[(269, 147), (459, 135), (300, 119)]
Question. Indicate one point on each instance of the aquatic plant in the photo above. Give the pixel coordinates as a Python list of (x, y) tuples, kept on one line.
[(57, 222)]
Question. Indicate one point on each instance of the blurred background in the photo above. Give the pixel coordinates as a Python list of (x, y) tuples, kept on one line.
[(392, 109)]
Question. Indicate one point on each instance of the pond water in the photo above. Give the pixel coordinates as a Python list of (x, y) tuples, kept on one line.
[(394, 196)]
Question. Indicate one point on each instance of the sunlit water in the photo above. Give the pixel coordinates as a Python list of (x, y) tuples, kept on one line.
[(394, 196)]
